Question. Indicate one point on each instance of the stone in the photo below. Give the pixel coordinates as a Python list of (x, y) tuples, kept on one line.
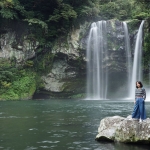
[(107, 128), (125, 130), (11, 48)]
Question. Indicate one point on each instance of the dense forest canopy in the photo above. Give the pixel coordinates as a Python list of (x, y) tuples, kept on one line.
[(52, 18), (57, 16)]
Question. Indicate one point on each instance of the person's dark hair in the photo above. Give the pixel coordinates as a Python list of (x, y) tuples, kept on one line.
[(141, 85)]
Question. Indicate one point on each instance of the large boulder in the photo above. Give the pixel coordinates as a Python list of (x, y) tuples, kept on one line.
[(126, 130)]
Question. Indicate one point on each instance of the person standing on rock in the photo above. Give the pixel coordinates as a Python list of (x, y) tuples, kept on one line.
[(139, 103)]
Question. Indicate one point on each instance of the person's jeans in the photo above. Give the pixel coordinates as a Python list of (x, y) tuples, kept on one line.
[(139, 109)]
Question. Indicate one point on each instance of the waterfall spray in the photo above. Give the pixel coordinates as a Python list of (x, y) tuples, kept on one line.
[(96, 53), (137, 62), (110, 70), (129, 58)]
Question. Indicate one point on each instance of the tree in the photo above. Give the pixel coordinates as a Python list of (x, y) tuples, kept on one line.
[(144, 3), (11, 9)]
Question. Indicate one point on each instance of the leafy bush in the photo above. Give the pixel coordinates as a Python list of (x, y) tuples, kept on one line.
[(119, 9), (16, 83), (141, 16), (11, 8)]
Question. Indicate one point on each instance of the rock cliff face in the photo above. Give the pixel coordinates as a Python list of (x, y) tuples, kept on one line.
[(67, 76), (69, 66), (124, 130), (17, 43)]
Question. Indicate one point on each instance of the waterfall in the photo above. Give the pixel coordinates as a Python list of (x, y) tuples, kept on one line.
[(129, 57), (96, 57), (137, 62), (110, 70)]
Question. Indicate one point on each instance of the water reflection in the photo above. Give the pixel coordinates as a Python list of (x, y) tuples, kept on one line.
[(59, 124)]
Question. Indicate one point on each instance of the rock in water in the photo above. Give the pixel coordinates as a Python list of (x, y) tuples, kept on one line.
[(108, 128), (126, 130)]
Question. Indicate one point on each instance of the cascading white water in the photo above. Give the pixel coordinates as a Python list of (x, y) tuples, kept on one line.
[(96, 55), (137, 63), (100, 80), (129, 57)]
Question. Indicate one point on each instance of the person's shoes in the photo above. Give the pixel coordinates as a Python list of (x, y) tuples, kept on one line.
[(144, 120), (140, 121)]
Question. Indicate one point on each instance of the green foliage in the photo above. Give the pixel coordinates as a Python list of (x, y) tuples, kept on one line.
[(85, 9), (133, 24), (62, 18), (22, 87), (29, 63), (15, 83), (8, 13), (9, 9), (4, 63), (88, 11), (39, 83), (64, 11), (143, 3), (119, 9), (140, 9), (146, 58), (43, 63), (37, 21), (142, 16), (9, 95), (147, 50), (25, 87), (78, 96)]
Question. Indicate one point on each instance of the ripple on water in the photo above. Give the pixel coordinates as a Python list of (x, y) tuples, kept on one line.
[(78, 142), (45, 111), (73, 134), (70, 147), (81, 116), (61, 131), (31, 148), (33, 129), (12, 117), (85, 148), (56, 124), (64, 131), (116, 111), (45, 146), (3, 117), (57, 135), (51, 142)]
